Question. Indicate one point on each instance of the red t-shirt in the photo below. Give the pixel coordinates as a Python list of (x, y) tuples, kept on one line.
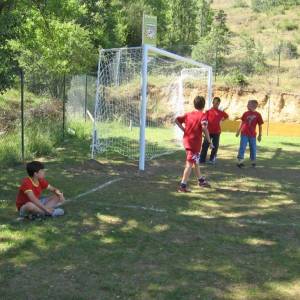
[(192, 138), (29, 185), (214, 118), (249, 121)]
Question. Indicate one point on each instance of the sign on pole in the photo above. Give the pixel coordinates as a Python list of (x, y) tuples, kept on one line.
[(149, 30)]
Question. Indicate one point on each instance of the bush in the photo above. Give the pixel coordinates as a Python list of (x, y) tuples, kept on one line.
[(240, 3), (287, 50), (253, 59), (289, 25), (236, 79), (10, 149)]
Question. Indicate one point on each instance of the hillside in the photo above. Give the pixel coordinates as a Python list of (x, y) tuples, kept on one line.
[(269, 29)]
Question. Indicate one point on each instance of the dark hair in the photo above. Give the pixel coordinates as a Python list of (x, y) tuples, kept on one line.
[(33, 167), (217, 99), (199, 102)]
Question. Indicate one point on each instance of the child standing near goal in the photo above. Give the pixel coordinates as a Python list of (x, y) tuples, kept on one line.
[(247, 129), (29, 203), (214, 117), (194, 124)]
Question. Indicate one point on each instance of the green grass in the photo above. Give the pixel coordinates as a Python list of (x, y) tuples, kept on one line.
[(237, 240)]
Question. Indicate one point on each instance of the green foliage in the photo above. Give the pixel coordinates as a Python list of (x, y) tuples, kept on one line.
[(253, 59), (236, 79), (240, 3), (206, 17), (287, 50), (10, 149), (289, 25), (10, 21), (266, 5), (213, 47), (183, 25)]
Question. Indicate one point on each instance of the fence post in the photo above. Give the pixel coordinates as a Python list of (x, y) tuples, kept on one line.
[(269, 106), (22, 115), (64, 107), (85, 97)]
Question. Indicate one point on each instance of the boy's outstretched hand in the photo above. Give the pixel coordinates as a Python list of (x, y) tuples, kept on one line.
[(259, 138), (237, 134)]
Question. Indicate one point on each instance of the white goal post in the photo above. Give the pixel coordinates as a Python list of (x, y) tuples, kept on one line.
[(139, 93)]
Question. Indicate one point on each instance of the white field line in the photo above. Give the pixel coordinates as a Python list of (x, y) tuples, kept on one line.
[(261, 222), (93, 190), (113, 205)]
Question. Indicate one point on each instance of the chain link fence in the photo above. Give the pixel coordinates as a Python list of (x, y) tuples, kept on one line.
[(33, 126)]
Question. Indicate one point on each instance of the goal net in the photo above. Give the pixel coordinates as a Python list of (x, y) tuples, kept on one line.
[(139, 93)]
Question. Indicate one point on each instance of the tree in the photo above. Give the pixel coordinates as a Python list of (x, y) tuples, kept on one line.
[(212, 48), (205, 17), (47, 51), (182, 25), (253, 60), (10, 21)]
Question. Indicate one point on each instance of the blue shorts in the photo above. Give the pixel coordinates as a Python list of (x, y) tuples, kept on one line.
[(23, 213)]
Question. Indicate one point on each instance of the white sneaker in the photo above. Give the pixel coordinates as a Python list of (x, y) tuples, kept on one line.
[(57, 212)]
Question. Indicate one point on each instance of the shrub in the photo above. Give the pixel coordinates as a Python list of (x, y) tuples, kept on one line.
[(10, 149), (236, 79), (288, 25), (240, 3), (287, 50)]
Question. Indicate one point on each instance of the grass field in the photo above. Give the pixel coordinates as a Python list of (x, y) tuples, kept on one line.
[(237, 240)]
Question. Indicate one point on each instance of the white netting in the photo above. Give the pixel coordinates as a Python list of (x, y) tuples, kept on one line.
[(171, 88), (80, 92)]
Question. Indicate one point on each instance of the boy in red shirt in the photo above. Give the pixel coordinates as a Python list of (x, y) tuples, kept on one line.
[(214, 118), (194, 123), (28, 200), (247, 129)]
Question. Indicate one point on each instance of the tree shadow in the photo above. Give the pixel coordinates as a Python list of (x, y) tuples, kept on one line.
[(227, 242)]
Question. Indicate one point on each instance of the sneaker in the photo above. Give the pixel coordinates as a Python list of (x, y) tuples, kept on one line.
[(182, 189), (203, 182), (253, 165), (240, 165), (57, 212)]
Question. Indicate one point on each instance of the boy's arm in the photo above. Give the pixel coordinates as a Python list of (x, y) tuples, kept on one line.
[(239, 129), (225, 116), (206, 134), (36, 201), (56, 191), (179, 124), (259, 132)]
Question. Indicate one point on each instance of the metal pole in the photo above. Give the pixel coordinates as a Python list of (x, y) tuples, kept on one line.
[(64, 107), (22, 116), (269, 106), (143, 109), (85, 98), (209, 86), (278, 67)]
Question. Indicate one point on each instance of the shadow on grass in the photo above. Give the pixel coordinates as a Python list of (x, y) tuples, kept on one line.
[(204, 246)]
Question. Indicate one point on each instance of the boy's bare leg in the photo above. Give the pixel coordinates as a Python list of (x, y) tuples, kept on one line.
[(54, 201), (197, 171), (187, 172), (31, 208)]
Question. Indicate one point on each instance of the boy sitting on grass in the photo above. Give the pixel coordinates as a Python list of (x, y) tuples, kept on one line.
[(29, 202), (195, 123)]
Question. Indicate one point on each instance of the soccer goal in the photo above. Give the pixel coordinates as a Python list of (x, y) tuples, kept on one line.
[(139, 93)]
